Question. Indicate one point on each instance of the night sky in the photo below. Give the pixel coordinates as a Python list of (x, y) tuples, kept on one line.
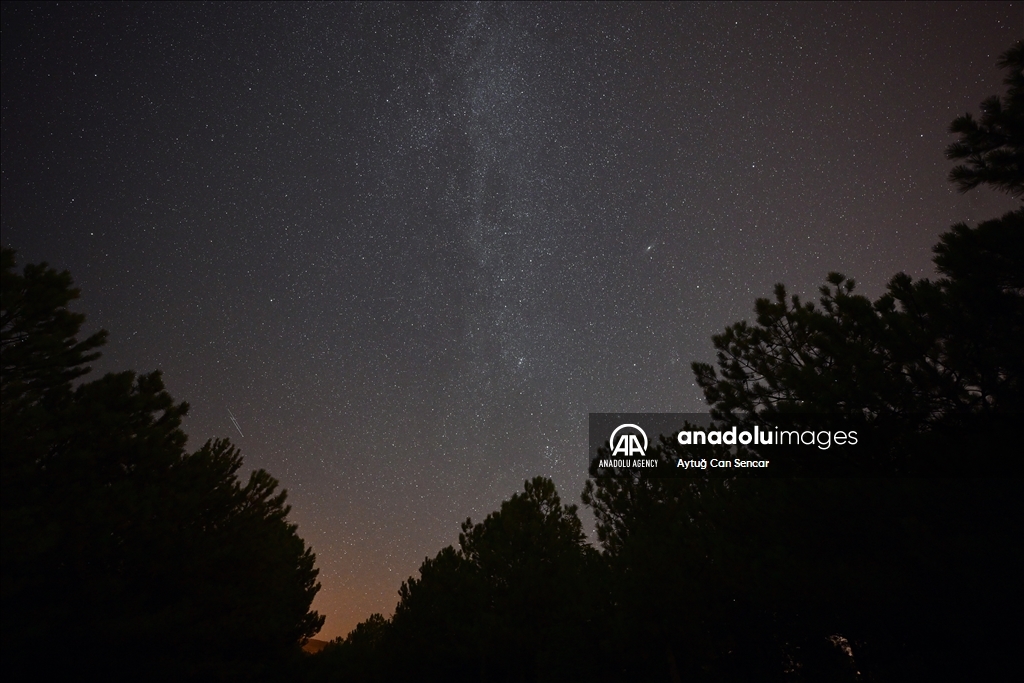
[(410, 247)]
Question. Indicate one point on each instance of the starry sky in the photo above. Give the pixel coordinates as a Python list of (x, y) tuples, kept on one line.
[(410, 247)]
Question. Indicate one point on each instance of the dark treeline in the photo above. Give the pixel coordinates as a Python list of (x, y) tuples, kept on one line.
[(125, 557), (881, 578), (153, 563)]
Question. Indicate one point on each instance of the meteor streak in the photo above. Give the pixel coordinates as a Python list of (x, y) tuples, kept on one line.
[(235, 422)]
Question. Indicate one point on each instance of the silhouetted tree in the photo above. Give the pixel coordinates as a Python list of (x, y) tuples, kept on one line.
[(928, 351), (516, 602), (511, 603), (360, 657), (531, 561), (121, 551), (993, 146), (817, 579), (931, 365)]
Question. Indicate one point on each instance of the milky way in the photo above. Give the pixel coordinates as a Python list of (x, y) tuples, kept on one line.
[(412, 246)]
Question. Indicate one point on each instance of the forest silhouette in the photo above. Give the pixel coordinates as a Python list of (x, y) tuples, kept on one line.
[(151, 563), (114, 533)]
